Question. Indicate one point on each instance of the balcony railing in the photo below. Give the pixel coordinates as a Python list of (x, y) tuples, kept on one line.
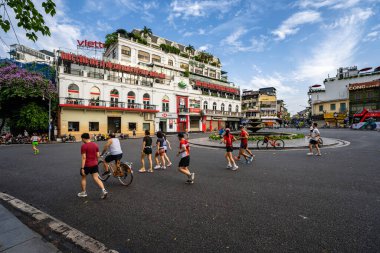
[(221, 113), (101, 104), (183, 110)]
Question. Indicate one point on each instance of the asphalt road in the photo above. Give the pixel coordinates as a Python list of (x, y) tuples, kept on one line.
[(284, 202)]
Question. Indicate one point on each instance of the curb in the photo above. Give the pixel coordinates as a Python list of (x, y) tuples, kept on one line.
[(74, 236), (339, 142)]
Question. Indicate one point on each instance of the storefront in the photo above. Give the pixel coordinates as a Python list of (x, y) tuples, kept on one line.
[(233, 123), (166, 122), (195, 123)]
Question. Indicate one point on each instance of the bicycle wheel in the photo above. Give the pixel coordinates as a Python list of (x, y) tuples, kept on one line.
[(101, 171), (279, 144), (127, 174), (261, 145), (320, 142)]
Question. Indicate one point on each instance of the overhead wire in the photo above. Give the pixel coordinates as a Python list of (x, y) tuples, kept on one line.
[(6, 11)]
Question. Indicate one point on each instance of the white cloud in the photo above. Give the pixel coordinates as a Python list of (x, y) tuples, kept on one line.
[(205, 47), (291, 25), (336, 50), (372, 36), (276, 80), (234, 44), (64, 32), (333, 4), (187, 8), (233, 39)]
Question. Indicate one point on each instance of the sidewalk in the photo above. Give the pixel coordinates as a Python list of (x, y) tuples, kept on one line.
[(289, 144), (17, 237)]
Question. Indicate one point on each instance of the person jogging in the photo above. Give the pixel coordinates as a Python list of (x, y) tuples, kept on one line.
[(167, 145), (160, 152), (35, 140), (314, 137), (113, 145), (184, 163), (228, 139), (146, 151), (244, 146), (90, 156)]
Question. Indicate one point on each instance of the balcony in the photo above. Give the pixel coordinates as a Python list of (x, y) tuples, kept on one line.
[(183, 111), (221, 113), (93, 104)]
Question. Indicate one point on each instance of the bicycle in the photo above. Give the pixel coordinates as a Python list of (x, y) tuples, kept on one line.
[(277, 144), (124, 174)]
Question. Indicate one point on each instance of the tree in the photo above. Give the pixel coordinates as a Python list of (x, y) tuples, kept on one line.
[(122, 32), (32, 117), (28, 17), (190, 49), (146, 32), (19, 88), (111, 38)]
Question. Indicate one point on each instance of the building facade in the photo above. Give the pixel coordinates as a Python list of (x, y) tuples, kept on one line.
[(364, 95), (143, 87), (26, 54), (330, 104)]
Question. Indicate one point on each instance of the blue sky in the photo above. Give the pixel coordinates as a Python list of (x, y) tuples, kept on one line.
[(286, 44)]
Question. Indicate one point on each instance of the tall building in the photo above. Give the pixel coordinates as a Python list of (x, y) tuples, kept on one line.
[(145, 84), (26, 54), (330, 104), (260, 106)]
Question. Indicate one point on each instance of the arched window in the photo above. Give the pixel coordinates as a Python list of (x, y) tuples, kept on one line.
[(146, 101), (143, 56), (165, 104), (125, 51), (73, 91), (222, 107), (214, 106), (156, 58), (205, 105), (95, 96), (230, 108), (170, 62), (237, 108), (73, 94), (114, 94), (131, 99)]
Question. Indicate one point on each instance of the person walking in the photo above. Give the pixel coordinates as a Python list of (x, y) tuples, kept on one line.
[(146, 151), (134, 133), (90, 155), (184, 163), (167, 145), (244, 146), (160, 152), (314, 137), (35, 140), (228, 139)]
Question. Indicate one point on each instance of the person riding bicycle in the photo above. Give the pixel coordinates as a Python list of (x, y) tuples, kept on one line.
[(113, 145)]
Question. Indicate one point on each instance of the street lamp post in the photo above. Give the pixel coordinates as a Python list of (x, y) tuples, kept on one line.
[(49, 127)]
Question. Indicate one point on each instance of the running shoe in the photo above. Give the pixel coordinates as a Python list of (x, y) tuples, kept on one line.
[(163, 168), (192, 176), (82, 194), (170, 164), (229, 166), (157, 167), (235, 168), (251, 159), (319, 154), (104, 194), (309, 153)]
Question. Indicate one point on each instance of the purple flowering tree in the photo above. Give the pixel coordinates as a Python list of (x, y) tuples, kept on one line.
[(20, 89)]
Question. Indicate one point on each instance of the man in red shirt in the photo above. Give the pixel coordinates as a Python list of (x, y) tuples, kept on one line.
[(90, 156), (244, 146), (184, 153), (228, 139)]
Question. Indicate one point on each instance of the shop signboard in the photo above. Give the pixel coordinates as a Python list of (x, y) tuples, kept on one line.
[(166, 115)]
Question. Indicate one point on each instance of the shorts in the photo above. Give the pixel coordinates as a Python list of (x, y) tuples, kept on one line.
[(184, 162), (35, 143), (148, 150), (111, 158), (160, 152), (244, 145), (229, 149), (313, 142), (90, 170)]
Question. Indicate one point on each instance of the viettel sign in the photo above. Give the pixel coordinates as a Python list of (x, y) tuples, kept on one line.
[(90, 44)]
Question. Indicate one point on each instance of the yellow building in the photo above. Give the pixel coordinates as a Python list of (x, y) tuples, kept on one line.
[(331, 112)]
